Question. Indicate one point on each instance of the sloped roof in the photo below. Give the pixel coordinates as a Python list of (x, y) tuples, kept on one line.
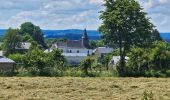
[(103, 50), (6, 60), (74, 44), (24, 45), (60, 43), (70, 44)]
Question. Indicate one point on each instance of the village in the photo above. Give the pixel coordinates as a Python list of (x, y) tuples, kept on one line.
[(75, 51), (84, 50)]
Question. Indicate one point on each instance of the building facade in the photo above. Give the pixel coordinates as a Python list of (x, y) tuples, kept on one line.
[(74, 50)]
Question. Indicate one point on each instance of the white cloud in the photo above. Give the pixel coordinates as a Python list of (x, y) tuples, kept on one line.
[(96, 1), (64, 14)]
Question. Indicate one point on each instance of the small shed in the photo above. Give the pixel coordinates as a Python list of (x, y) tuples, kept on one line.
[(6, 64)]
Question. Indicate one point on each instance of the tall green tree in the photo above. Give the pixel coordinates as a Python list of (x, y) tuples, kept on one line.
[(34, 31), (124, 23), (11, 40)]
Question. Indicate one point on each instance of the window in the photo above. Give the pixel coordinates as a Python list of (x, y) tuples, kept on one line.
[(77, 51), (88, 53), (70, 51)]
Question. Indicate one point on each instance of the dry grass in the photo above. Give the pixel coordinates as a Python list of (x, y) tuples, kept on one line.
[(68, 88)]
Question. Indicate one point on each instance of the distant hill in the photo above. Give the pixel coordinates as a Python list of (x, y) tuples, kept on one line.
[(71, 34), (75, 34), (166, 36)]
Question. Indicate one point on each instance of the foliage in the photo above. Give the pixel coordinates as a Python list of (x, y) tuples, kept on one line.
[(11, 40), (18, 58), (38, 59), (147, 96), (149, 62), (106, 59), (124, 23), (87, 64), (34, 31), (96, 43), (58, 58)]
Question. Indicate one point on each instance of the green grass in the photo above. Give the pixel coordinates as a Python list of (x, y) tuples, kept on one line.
[(75, 88)]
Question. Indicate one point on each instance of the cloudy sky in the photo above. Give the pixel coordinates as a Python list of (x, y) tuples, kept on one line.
[(72, 14)]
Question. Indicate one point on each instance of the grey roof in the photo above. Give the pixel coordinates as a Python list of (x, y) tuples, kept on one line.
[(24, 45), (74, 54), (103, 50), (69, 44), (75, 44), (5, 60), (61, 43)]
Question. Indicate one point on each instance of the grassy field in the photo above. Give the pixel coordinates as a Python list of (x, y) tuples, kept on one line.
[(68, 88)]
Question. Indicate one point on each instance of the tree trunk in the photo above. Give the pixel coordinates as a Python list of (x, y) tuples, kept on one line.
[(122, 57)]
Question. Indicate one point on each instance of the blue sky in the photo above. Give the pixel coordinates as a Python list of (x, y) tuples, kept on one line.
[(72, 14)]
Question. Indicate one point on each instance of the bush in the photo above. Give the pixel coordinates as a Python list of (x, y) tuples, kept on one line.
[(147, 96), (47, 71), (154, 73), (168, 73), (74, 73), (24, 73), (7, 73)]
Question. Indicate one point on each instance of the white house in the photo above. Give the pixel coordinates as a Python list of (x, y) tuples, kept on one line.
[(74, 50), (115, 59), (23, 46)]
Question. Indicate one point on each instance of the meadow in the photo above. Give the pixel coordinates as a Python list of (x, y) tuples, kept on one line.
[(72, 88)]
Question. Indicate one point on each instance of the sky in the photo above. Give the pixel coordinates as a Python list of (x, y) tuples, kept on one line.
[(72, 14)]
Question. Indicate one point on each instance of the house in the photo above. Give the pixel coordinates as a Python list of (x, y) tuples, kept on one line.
[(74, 49), (102, 51), (6, 64), (74, 58), (23, 46), (115, 59), (74, 46)]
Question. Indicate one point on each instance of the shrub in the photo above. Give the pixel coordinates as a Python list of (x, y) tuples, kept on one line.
[(87, 64), (147, 96), (7, 73), (24, 73)]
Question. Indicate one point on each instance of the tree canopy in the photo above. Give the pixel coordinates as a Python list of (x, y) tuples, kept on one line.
[(124, 23), (11, 40), (34, 31)]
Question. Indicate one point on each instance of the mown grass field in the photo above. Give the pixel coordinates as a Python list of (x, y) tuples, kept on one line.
[(70, 88)]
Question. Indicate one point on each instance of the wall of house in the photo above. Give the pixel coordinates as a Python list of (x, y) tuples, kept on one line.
[(71, 50), (74, 60), (6, 66)]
